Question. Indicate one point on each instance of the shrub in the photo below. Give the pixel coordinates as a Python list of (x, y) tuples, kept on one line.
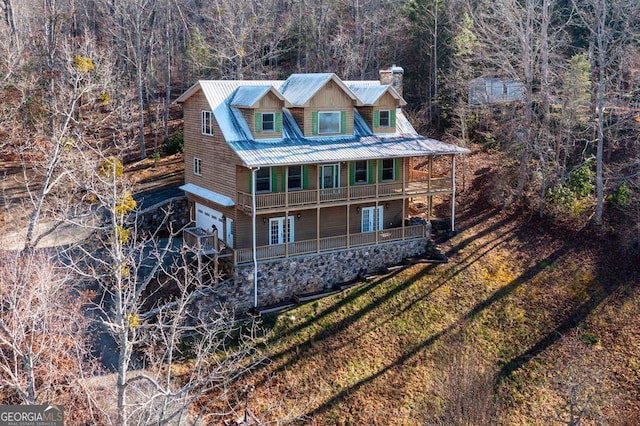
[(621, 197), (175, 143), (571, 196)]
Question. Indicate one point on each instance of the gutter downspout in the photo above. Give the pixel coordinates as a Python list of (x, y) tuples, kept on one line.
[(254, 173), (453, 193)]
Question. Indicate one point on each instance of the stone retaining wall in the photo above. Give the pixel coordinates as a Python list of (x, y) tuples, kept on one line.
[(280, 280), (151, 219)]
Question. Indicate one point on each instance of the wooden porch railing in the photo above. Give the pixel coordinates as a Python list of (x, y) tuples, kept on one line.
[(297, 248), (199, 240), (314, 197)]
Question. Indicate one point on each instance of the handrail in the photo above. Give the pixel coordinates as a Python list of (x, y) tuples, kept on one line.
[(315, 197), (328, 244)]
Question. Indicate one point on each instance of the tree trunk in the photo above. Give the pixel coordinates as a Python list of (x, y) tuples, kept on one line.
[(140, 88), (601, 57)]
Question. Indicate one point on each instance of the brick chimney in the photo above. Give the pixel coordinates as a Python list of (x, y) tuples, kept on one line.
[(392, 76)]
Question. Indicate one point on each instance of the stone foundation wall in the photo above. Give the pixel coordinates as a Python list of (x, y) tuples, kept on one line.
[(151, 218), (280, 280)]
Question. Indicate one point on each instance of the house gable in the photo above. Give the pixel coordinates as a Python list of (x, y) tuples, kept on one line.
[(325, 109), (261, 109)]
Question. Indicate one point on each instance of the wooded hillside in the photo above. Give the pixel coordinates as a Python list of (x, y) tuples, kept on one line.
[(543, 274), (102, 68)]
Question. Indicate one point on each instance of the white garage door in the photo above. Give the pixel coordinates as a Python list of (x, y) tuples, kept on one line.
[(207, 218)]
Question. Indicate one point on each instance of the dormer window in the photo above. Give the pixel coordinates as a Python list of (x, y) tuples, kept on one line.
[(385, 118), (268, 122), (207, 123), (328, 122)]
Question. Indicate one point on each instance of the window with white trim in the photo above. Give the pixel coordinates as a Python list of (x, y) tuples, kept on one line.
[(329, 176), (329, 122), (368, 220), (207, 123), (384, 118), (197, 166), (268, 122), (278, 232)]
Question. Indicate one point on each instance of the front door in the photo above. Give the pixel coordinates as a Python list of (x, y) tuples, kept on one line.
[(368, 219), (329, 176), (278, 232)]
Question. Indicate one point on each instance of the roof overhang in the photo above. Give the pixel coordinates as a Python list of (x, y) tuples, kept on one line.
[(207, 194)]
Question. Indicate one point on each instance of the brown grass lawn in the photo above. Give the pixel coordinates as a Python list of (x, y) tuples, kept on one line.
[(523, 316)]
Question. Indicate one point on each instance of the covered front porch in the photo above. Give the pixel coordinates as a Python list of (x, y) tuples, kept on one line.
[(328, 244)]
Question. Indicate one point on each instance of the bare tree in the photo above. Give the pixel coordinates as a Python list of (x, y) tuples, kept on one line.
[(43, 352), (147, 305), (467, 389), (611, 25)]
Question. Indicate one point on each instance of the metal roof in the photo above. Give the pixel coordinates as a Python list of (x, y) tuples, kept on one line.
[(294, 148), (369, 94), (248, 96), (299, 88)]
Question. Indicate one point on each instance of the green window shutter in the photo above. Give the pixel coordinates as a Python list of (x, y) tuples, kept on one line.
[(274, 179), (372, 171), (352, 173), (250, 181), (343, 121), (284, 173), (258, 122), (376, 118), (398, 169), (314, 122), (305, 176), (278, 121), (392, 118)]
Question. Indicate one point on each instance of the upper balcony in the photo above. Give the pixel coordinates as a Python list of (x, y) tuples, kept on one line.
[(419, 186)]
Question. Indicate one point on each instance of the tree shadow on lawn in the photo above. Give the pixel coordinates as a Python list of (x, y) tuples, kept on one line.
[(310, 342), (615, 272), (417, 349)]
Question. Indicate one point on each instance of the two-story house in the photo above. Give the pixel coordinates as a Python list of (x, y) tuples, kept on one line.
[(306, 181)]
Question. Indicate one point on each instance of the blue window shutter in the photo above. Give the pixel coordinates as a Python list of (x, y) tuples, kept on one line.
[(376, 118), (278, 121), (314, 122), (343, 121), (258, 122), (392, 118)]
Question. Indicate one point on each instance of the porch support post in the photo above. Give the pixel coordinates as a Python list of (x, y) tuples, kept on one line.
[(453, 193), (254, 173)]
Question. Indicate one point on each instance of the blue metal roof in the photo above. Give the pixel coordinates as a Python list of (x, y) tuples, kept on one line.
[(247, 96), (295, 148)]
